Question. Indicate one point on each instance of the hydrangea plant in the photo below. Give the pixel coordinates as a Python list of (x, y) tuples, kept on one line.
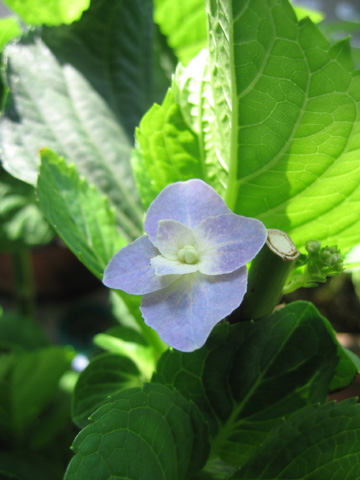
[(190, 266)]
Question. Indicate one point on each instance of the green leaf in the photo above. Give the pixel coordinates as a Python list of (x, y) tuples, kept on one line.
[(250, 375), (184, 25), (28, 382), (175, 141), (131, 344), (315, 15), (105, 375), (141, 434), (18, 332), (292, 101), (80, 90), (48, 12), (78, 213), (318, 442), (21, 223), (9, 29), (25, 465)]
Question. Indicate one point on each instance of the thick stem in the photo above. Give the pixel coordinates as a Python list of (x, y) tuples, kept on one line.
[(24, 286), (267, 276)]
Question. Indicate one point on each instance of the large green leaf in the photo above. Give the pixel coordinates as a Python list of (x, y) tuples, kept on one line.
[(81, 90), (21, 223), (78, 212), (105, 375), (292, 101), (49, 12), (250, 375), (142, 434), (316, 443)]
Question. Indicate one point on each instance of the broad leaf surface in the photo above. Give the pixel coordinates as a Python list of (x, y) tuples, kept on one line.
[(25, 393), (48, 12), (78, 212), (318, 442), (292, 101), (105, 375), (153, 432), (22, 224), (250, 375), (18, 332), (81, 90)]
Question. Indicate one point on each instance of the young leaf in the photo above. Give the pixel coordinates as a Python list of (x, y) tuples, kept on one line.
[(105, 375), (184, 25), (21, 223), (81, 90), (250, 375), (49, 12), (292, 102), (317, 442), (78, 213), (176, 141), (155, 425)]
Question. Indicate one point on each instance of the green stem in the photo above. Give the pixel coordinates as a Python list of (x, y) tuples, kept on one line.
[(267, 276), (24, 285)]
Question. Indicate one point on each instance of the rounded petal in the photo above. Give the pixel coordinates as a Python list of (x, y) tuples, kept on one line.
[(171, 237), (227, 242), (130, 269), (185, 312), (188, 202)]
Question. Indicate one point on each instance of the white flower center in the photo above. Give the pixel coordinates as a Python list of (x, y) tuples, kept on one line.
[(188, 254)]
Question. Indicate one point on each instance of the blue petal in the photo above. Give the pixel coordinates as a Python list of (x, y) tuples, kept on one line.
[(171, 237), (188, 202), (227, 242), (185, 312), (130, 269)]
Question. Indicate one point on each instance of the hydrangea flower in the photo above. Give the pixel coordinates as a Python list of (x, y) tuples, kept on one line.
[(190, 266)]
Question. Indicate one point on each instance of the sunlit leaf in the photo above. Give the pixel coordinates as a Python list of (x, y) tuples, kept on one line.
[(48, 12)]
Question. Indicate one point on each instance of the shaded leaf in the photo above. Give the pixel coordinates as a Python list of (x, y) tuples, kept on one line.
[(318, 442), (105, 375), (22, 225), (80, 90), (250, 375), (25, 392), (157, 423)]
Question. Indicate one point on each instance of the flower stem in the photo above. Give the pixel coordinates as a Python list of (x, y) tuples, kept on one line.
[(24, 285), (267, 276)]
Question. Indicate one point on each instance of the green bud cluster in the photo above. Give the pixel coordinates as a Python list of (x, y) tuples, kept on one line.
[(319, 263)]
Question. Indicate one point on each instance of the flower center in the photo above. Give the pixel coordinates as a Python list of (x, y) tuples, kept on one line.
[(188, 254)]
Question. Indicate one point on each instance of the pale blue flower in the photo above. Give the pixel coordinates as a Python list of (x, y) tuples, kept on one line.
[(190, 266)]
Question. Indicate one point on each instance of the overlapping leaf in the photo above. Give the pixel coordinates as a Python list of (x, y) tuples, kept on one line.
[(104, 376), (176, 141), (22, 224), (78, 213), (153, 432), (318, 442), (250, 375), (81, 90)]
